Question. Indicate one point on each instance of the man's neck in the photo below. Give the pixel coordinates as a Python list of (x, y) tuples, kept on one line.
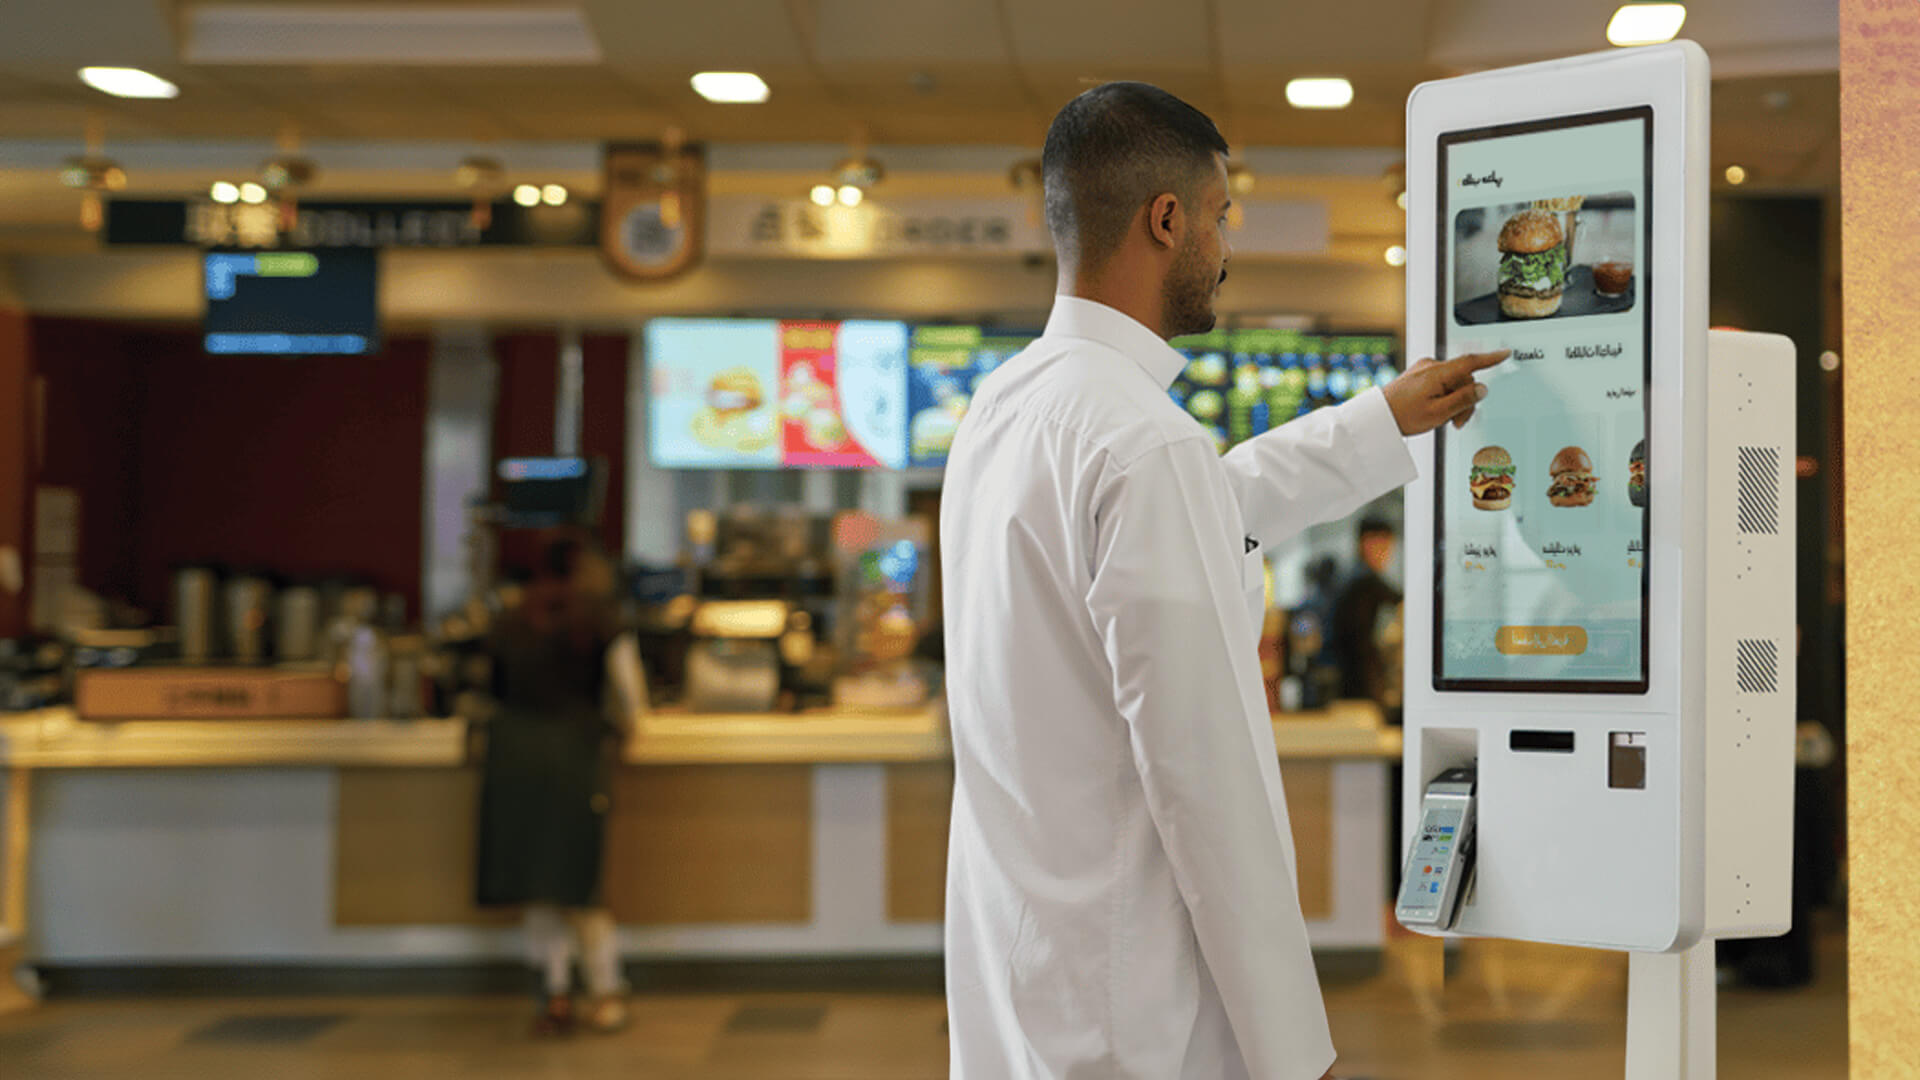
[(1139, 301)]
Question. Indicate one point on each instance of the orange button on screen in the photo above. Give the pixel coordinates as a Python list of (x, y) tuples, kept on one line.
[(1542, 640)]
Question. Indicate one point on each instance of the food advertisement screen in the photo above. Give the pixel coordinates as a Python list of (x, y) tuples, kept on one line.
[(944, 369), (1541, 500), (762, 393), (1243, 383)]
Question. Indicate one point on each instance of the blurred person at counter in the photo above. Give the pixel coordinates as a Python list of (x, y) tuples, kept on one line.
[(1121, 895), (567, 686), (1365, 604)]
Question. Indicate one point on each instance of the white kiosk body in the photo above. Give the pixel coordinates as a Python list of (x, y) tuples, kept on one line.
[(1604, 633)]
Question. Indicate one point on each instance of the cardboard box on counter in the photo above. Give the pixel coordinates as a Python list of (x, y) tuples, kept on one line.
[(207, 693)]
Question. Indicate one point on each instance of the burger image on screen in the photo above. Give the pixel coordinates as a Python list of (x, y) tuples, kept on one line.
[(1491, 478), (1573, 480), (733, 392), (733, 419), (1533, 265), (1637, 474)]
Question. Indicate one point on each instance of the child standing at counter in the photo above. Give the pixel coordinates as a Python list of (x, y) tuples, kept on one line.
[(567, 686)]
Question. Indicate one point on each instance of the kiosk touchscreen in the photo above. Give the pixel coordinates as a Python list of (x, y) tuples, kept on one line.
[(1575, 636)]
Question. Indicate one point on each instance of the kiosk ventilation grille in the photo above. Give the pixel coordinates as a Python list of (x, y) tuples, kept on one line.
[(1758, 663), (1760, 490)]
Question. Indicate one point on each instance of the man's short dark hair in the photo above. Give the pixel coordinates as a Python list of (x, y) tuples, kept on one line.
[(1109, 152)]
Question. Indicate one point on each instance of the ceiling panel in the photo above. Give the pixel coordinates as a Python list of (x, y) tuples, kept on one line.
[(60, 32), (1093, 36), (702, 35), (1257, 33), (947, 33)]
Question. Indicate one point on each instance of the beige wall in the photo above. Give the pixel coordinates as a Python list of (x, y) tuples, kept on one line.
[(1880, 156), (553, 286)]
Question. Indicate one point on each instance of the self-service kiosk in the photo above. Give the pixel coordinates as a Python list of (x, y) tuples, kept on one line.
[(1600, 649)]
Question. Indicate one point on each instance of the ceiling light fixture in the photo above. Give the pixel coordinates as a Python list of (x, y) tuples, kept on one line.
[(1736, 175), (128, 82), (223, 192), (1396, 255), (1328, 93), (553, 195), (526, 195), (252, 194), (1646, 24), (851, 196), (822, 194), (1400, 200), (731, 87)]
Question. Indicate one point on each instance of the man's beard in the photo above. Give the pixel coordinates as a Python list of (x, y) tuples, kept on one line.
[(1189, 295)]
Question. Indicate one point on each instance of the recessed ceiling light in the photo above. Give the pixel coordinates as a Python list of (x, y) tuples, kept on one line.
[(731, 87), (553, 195), (1646, 24), (526, 195), (223, 192), (822, 194), (851, 196), (251, 192), (1396, 255), (128, 82), (1319, 93), (1736, 175), (1400, 200)]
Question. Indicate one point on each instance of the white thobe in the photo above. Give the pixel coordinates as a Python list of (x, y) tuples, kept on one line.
[(1121, 898)]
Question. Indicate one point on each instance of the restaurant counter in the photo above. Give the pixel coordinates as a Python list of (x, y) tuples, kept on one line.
[(816, 834)]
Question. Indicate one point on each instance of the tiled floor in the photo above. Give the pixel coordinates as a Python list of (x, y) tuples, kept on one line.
[(1507, 1013)]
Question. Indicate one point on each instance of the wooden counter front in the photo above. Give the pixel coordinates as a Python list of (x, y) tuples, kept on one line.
[(712, 819)]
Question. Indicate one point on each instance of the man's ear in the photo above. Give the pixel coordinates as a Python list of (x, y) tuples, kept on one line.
[(1163, 220)]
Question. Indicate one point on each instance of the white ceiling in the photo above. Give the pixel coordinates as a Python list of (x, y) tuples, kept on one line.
[(985, 73)]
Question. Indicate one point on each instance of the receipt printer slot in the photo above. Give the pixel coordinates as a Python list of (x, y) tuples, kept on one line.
[(1441, 856)]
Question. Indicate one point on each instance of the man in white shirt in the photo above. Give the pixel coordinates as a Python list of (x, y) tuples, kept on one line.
[(1121, 900)]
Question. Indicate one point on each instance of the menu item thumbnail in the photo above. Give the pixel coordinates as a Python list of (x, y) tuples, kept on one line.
[(1557, 257), (1637, 474), (733, 420), (1533, 265), (1573, 482), (1491, 478)]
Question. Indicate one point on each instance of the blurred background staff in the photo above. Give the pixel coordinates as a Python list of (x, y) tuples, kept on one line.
[(568, 686), (1364, 606)]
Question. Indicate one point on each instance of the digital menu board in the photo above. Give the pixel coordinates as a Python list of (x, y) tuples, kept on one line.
[(944, 367), (1241, 383), (291, 303), (762, 393), (1541, 500)]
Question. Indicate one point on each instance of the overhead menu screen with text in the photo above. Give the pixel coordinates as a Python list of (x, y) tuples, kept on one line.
[(291, 303), (1540, 574)]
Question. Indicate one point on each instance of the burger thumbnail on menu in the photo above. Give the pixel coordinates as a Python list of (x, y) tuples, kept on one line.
[(1491, 478), (1533, 265), (1573, 482), (1637, 474)]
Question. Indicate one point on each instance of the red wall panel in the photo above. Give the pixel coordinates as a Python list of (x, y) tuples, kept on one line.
[(305, 467)]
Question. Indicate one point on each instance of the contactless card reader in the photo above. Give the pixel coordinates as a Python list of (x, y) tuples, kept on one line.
[(1441, 857)]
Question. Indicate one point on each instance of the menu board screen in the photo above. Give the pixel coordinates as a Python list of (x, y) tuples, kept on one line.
[(1241, 383), (762, 393), (944, 368), (291, 303), (1541, 500)]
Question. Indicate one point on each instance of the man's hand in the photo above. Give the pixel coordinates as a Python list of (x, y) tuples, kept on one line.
[(1431, 393)]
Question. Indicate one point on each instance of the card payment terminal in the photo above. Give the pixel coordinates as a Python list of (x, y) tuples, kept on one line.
[(1441, 856)]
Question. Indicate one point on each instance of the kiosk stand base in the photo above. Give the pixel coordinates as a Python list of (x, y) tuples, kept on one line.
[(1671, 1013)]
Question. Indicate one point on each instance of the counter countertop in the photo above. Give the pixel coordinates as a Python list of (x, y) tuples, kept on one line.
[(58, 739)]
